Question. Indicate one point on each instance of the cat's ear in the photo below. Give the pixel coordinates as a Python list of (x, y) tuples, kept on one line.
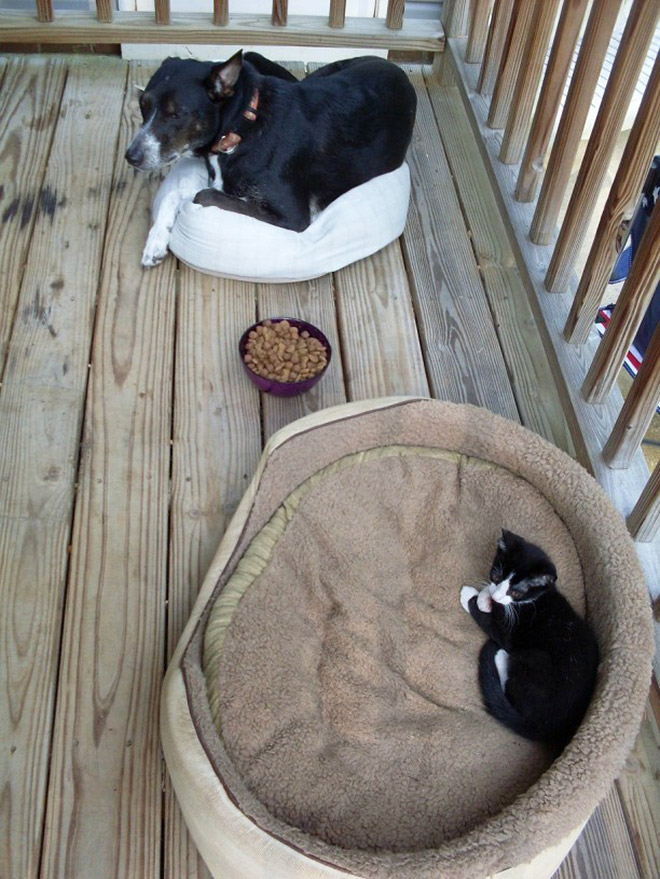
[(504, 539)]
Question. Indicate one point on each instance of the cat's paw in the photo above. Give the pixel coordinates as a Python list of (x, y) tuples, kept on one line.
[(467, 592), (485, 600)]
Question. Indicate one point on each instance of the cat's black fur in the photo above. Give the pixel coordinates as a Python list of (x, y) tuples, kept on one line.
[(552, 652)]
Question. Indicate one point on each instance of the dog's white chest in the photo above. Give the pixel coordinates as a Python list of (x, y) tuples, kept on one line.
[(216, 176)]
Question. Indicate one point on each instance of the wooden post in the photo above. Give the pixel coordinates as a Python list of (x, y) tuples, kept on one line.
[(521, 18), (337, 17), (455, 17), (531, 69), (162, 11), (104, 9), (280, 13), (585, 76), (221, 12), (499, 27), (394, 17), (633, 301), (568, 30), (618, 211), (644, 521), (478, 31), (620, 88), (45, 10), (637, 410)]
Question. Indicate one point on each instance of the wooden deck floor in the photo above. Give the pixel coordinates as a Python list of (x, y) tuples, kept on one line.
[(129, 433)]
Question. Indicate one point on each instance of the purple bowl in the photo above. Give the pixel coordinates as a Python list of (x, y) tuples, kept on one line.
[(285, 389)]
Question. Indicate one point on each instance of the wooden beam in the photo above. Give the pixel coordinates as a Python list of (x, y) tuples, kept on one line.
[(455, 15), (531, 70), (583, 82), (568, 30), (499, 27), (516, 39), (138, 27), (638, 409), (45, 10), (478, 30), (618, 211), (630, 56), (162, 10), (337, 17), (394, 15), (220, 13), (644, 520), (104, 10), (280, 13), (631, 305)]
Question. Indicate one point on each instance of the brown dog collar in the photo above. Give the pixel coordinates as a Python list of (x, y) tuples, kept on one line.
[(228, 142)]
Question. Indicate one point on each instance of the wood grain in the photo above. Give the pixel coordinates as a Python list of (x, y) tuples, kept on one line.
[(337, 15), (44, 10), (561, 54), (478, 30), (394, 15), (463, 357), (105, 794), (104, 10), (578, 101), (41, 404), (220, 12), (620, 88), (532, 371), (499, 27), (279, 13), (510, 65), (29, 103), (618, 212), (455, 17), (638, 409), (193, 28), (644, 520)]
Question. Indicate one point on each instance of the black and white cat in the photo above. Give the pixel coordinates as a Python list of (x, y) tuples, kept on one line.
[(538, 669)]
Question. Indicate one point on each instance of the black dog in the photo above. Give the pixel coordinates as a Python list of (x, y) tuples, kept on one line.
[(277, 149)]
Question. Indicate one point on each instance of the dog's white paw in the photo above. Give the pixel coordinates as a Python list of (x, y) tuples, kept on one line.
[(485, 600), (155, 250), (467, 592)]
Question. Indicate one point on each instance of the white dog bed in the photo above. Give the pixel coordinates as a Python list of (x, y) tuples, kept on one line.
[(218, 242)]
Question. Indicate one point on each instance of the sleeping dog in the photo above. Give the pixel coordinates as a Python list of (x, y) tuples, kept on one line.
[(276, 149)]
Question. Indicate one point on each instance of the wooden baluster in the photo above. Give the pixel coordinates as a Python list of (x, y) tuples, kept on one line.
[(221, 12), (45, 10), (478, 31), (521, 18), (644, 521), (583, 82), (637, 410), (162, 11), (455, 17), (104, 10), (499, 27), (337, 13), (394, 16), (635, 42), (531, 69), (568, 30), (618, 211), (280, 13), (629, 310)]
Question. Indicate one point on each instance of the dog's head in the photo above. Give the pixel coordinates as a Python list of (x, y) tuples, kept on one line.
[(179, 110)]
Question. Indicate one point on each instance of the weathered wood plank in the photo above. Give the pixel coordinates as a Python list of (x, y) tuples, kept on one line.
[(499, 26), (640, 794), (463, 357), (105, 796), (603, 849), (29, 103), (512, 55), (382, 352), (480, 16), (533, 373), (41, 403), (139, 27), (216, 447), (644, 520)]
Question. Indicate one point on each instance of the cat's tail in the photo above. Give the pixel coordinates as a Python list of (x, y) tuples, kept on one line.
[(493, 695)]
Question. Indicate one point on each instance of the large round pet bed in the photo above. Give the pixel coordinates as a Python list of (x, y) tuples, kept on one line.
[(321, 715)]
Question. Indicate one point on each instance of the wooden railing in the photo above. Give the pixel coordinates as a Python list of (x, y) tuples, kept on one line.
[(499, 50), (222, 26)]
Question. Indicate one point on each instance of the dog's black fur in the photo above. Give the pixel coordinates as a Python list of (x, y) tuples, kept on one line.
[(310, 142)]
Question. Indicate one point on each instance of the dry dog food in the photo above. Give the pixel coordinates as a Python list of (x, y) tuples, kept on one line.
[(277, 351)]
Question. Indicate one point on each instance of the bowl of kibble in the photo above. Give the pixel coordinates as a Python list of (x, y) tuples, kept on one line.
[(284, 356)]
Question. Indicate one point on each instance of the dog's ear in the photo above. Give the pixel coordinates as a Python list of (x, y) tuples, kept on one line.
[(223, 77)]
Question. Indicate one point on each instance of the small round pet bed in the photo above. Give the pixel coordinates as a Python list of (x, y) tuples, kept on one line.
[(321, 716), (218, 242)]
